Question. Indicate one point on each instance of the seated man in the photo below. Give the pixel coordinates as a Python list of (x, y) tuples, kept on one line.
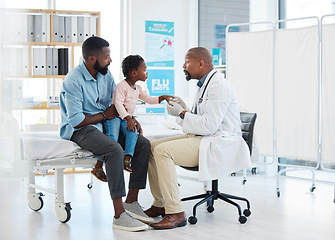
[(85, 100), (213, 139)]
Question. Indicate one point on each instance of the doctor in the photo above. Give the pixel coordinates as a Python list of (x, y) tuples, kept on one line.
[(213, 139)]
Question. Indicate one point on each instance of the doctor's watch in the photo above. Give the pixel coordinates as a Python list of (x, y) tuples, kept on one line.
[(182, 114)]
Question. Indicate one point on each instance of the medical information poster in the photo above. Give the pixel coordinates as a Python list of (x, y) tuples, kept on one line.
[(159, 43), (160, 82)]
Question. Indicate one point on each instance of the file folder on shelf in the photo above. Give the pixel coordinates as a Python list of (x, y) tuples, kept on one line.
[(19, 61), (80, 29), (25, 60), (63, 61), (93, 26), (61, 28), (22, 28), (48, 25), (86, 27), (38, 28), (42, 61), (36, 56), (68, 29), (49, 61), (56, 28), (30, 28), (54, 61), (74, 29), (44, 28)]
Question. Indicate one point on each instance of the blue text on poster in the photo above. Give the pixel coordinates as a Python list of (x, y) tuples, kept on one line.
[(160, 82)]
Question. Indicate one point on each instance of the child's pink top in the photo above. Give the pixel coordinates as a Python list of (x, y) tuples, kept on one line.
[(125, 98)]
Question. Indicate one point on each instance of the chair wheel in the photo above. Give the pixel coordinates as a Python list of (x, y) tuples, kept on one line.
[(311, 189), (254, 171), (192, 220), (244, 181), (90, 185), (246, 212), (210, 209), (242, 219)]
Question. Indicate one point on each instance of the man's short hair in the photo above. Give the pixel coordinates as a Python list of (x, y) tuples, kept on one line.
[(130, 63), (201, 53), (92, 46)]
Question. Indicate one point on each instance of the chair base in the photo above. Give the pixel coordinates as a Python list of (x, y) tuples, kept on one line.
[(214, 194)]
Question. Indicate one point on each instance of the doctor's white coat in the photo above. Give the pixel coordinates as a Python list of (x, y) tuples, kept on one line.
[(222, 149)]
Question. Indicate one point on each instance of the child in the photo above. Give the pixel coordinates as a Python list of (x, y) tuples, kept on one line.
[(125, 96)]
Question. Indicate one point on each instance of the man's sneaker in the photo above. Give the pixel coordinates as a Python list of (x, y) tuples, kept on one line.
[(128, 223), (136, 211)]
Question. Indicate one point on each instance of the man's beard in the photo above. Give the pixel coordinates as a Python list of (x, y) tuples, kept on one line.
[(102, 70), (188, 75)]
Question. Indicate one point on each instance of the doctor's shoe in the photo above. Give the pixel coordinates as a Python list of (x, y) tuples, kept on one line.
[(171, 221), (155, 211), (128, 223), (136, 211)]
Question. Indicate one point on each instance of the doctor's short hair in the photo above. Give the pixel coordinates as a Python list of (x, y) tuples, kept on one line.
[(92, 46), (201, 53), (130, 63)]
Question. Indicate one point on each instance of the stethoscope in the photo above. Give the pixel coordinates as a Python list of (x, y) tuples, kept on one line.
[(203, 92)]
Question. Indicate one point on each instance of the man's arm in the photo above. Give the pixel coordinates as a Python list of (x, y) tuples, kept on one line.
[(108, 114)]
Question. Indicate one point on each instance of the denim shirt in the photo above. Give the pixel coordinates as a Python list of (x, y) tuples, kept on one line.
[(82, 95)]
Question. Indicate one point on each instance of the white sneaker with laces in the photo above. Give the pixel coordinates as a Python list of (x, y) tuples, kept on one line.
[(128, 223), (135, 210)]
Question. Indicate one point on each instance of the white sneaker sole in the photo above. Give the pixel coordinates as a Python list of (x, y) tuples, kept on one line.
[(131, 229), (140, 218)]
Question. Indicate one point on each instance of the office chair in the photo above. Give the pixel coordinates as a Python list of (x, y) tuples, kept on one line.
[(247, 127)]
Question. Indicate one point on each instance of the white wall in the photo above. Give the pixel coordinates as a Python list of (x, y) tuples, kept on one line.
[(184, 14), (263, 10)]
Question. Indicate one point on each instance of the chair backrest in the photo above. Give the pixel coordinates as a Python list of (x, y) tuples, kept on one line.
[(248, 122), (247, 127)]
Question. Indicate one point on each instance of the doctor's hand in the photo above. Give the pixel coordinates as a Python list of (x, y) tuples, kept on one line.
[(180, 101), (165, 97), (174, 108)]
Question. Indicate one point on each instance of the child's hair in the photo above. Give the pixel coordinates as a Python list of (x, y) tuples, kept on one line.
[(130, 63)]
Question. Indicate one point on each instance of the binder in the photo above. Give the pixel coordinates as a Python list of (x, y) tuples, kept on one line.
[(43, 61), (49, 61), (38, 28), (25, 58), (23, 27), (48, 25), (12, 61), (19, 61), (30, 28), (61, 28), (63, 61), (12, 30), (68, 29), (86, 27), (36, 56), (80, 29), (74, 29), (54, 61), (44, 27), (93, 26), (56, 28), (66, 61)]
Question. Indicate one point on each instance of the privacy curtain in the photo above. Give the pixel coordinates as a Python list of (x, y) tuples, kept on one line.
[(250, 70), (328, 93), (296, 92)]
